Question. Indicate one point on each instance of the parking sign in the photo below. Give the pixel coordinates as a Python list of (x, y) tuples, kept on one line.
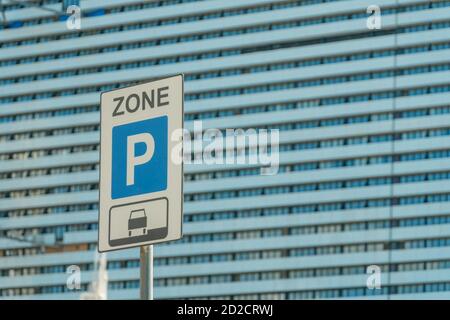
[(141, 186)]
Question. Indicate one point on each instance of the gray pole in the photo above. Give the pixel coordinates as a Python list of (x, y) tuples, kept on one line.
[(147, 272)]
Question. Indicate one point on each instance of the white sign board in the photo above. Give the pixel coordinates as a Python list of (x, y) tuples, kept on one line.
[(141, 186)]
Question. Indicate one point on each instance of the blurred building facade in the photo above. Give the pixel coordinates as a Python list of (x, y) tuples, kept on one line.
[(364, 120)]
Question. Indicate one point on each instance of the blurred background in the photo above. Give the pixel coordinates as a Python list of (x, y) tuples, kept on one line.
[(362, 101)]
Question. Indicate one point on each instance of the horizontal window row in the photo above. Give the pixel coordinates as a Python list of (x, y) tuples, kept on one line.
[(360, 14), (47, 191), (313, 166), (344, 205), (48, 171), (39, 250), (386, 290), (48, 114), (295, 274), (124, 7), (59, 231), (248, 192), (214, 14), (224, 53), (286, 147), (249, 69), (319, 102), (362, 291), (277, 253), (308, 187), (413, 113), (48, 152), (297, 125), (49, 210), (221, 278), (298, 209), (191, 37), (48, 133), (365, 118), (306, 251), (234, 214), (290, 295), (51, 269), (331, 143), (16, 6), (361, 118), (297, 84), (85, 13), (390, 94), (313, 82), (39, 290)]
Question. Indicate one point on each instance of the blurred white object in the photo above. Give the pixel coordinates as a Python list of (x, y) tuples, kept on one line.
[(98, 289)]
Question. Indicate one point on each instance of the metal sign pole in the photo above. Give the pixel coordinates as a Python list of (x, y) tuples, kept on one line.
[(147, 272)]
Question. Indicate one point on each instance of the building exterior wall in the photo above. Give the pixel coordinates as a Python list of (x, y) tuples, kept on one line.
[(364, 146)]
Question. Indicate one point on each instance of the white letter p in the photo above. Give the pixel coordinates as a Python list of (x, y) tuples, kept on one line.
[(132, 160)]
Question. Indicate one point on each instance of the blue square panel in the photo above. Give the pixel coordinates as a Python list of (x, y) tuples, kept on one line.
[(139, 157)]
